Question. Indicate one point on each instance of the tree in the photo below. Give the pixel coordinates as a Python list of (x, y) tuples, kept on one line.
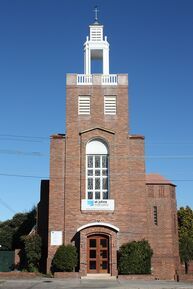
[(6, 236), (25, 222), (65, 259), (12, 230), (185, 230), (135, 258)]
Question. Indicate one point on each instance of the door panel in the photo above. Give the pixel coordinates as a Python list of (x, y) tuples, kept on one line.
[(98, 254)]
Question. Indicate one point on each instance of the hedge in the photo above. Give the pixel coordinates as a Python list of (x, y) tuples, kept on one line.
[(135, 258), (65, 259)]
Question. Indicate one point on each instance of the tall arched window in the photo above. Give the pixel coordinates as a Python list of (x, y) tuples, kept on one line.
[(97, 170)]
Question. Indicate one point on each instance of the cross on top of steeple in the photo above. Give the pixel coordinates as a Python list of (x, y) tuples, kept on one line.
[(96, 10)]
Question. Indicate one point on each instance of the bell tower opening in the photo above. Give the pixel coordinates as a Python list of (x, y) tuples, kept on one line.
[(96, 49)]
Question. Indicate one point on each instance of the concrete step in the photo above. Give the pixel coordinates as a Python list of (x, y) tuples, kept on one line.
[(99, 277)]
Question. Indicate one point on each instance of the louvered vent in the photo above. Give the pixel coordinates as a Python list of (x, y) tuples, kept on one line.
[(96, 34), (84, 105), (110, 106)]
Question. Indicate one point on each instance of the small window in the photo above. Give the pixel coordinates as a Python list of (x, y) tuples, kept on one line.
[(150, 191), (110, 105), (155, 218), (84, 105), (161, 191)]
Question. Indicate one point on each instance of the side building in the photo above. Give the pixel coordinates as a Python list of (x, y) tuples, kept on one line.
[(99, 196)]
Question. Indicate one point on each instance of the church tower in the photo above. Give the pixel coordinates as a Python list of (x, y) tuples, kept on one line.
[(98, 197)]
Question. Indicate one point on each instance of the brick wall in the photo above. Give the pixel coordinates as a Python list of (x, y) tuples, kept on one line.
[(163, 236)]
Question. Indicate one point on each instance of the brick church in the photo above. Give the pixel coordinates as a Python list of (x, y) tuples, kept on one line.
[(98, 196)]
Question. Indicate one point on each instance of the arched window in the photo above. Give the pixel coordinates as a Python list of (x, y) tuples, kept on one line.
[(97, 170)]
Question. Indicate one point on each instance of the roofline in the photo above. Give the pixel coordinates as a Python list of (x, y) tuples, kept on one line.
[(58, 136), (94, 128)]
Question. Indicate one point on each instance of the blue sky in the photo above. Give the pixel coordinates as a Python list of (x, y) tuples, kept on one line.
[(42, 40)]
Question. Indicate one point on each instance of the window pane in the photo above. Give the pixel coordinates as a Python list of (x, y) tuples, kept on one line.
[(97, 184), (104, 265), (105, 183), (90, 184), (105, 195), (90, 172), (90, 195), (104, 161), (90, 161), (97, 161), (103, 243), (103, 253), (97, 173), (92, 265), (92, 243), (93, 254), (97, 195), (104, 172)]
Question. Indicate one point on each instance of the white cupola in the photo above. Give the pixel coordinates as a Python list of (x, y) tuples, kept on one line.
[(96, 47)]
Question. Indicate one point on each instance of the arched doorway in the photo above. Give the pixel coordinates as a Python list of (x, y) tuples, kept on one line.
[(98, 254), (102, 251)]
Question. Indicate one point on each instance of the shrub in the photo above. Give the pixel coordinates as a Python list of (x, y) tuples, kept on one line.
[(65, 259), (31, 253), (135, 258)]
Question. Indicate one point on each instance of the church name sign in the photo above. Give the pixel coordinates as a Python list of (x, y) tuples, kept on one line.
[(103, 205)]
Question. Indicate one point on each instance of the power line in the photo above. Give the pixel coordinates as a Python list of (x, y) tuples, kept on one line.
[(21, 153), (22, 140), (23, 136), (39, 154), (38, 138), (7, 206), (22, 176), (78, 177)]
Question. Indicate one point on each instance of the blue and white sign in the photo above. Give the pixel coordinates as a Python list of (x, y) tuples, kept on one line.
[(102, 205)]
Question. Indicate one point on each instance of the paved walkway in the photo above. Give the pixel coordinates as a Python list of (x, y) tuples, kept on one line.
[(45, 283)]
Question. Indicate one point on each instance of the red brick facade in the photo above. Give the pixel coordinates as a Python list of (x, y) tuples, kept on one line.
[(135, 196)]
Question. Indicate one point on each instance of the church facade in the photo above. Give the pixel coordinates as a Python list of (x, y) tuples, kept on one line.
[(99, 196)]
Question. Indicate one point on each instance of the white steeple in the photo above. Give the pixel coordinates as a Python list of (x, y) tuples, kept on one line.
[(96, 47)]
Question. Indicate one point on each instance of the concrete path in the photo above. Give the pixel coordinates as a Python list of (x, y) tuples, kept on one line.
[(46, 283)]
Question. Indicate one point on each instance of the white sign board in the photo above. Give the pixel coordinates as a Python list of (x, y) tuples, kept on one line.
[(56, 238), (102, 205)]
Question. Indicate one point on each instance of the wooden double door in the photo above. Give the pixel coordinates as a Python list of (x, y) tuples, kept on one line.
[(98, 254)]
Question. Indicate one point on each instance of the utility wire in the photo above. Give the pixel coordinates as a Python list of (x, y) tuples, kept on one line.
[(39, 154), (7, 206), (36, 138), (24, 136), (81, 175), (20, 153)]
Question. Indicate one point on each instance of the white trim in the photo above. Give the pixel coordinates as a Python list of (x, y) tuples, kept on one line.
[(98, 224)]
